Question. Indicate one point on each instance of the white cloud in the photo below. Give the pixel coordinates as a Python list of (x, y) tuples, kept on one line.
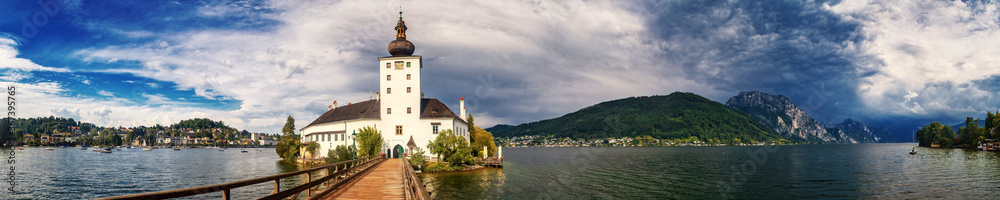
[(9, 59), (600, 51), (105, 93), (932, 48)]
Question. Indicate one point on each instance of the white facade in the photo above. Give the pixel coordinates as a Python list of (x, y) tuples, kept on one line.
[(399, 102)]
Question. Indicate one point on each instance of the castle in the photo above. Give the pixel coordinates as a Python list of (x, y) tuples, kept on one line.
[(400, 111)]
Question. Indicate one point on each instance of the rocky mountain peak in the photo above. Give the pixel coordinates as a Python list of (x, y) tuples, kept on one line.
[(761, 100)]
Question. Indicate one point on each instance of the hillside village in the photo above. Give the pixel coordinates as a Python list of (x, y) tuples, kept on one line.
[(53, 131)]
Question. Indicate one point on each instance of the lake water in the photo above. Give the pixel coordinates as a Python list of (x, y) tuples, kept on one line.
[(856, 171), (860, 171), (70, 173)]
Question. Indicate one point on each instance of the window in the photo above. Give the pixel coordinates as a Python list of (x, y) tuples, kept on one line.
[(435, 129), (399, 65), (388, 65), (407, 64), (388, 90), (407, 76), (407, 110), (388, 77), (407, 89), (399, 129), (388, 111)]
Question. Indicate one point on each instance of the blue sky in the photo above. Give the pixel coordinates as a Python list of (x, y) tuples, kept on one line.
[(899, 64)]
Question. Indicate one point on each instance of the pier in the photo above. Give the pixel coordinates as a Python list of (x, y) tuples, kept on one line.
[(374, 177)]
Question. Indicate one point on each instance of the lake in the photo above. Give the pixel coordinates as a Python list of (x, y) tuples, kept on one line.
[(850, 171), (70, 173), (854, 171)]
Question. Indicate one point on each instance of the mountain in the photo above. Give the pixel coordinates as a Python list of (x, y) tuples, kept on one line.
[(675, 116), (778, 113), (860, 132)]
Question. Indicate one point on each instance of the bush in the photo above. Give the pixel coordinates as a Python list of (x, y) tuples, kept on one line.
[(341, 153), (441, 167), (418, 158)]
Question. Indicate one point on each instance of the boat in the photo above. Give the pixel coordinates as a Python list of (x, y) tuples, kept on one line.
[(243, 151), (177, 148), (19, 148), (147, 149), (913, 151), (119, 148), (105, 150), (83, 148), (49, 149)]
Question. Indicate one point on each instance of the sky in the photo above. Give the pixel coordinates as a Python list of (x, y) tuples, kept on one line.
[(893, 63)]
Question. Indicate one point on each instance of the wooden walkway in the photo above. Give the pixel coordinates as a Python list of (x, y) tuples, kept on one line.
[(385, 181)]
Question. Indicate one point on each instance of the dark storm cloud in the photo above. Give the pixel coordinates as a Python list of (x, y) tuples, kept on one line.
[(991, 83), (792, 48)]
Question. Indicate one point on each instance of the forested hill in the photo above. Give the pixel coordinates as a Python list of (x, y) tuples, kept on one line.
[(675, 116), (201, 123)]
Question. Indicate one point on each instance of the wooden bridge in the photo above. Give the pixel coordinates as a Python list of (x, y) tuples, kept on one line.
[(374, 177)]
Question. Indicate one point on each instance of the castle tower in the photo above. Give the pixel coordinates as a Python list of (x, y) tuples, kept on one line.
[(399, 87)]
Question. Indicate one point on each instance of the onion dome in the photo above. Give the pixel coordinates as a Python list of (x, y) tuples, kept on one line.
[(400, 46)]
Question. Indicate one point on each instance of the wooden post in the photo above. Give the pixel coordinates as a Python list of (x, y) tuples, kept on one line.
[(277, 185), (225, 194), (309, 191)]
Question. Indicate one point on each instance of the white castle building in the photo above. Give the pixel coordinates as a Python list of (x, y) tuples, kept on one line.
[(399, 111)]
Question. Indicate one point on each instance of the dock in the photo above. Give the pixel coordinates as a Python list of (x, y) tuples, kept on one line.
[(374, 177), (491, 162)]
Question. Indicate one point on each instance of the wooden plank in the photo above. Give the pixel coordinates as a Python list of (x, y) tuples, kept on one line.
[(385, 181)]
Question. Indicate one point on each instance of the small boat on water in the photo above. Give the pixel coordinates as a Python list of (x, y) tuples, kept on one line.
[(177, 148), (49, 149), (913, 151), (105, 150), (147, 149), (19, 148), (82, 148), (243, 151)]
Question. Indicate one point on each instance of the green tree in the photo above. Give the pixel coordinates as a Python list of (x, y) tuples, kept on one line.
[(936, 132), (482, 138), (288, 147), (991, 126), (369, 141), (971, 133), (312, 147), (451, 148)]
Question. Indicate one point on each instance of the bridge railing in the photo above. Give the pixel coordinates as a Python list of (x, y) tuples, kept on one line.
[(333, 171), (415, 188)]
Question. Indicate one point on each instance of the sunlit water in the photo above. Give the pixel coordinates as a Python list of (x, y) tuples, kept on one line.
[(857, 171), (70, 173)]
